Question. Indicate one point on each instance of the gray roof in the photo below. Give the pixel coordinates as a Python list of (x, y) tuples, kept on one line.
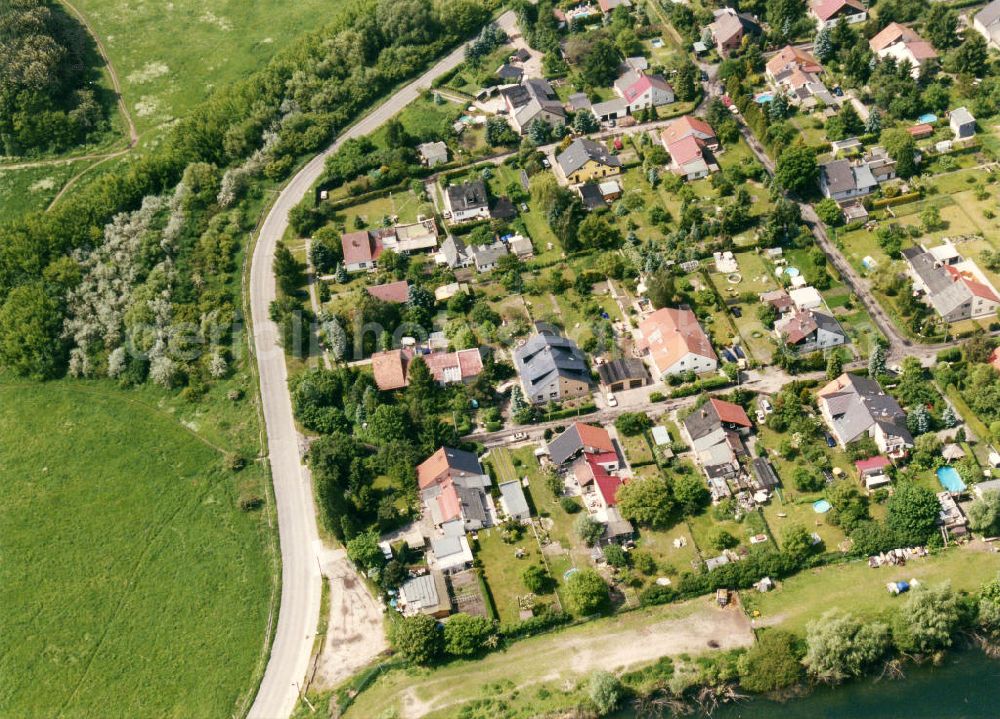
[(467, 196), (486, 255), (764, 473), (567, 445), (446, 546), (430, 150), (580, 151), (454, 252), (838, 176), (421, 590), (826, 322), (514, 500), (614, 106), (702, 422), (861, 405), (622, 369), (962, 116), (591, 195), (473, 501), (944, 293), (509, 72), (989, 14), (579, 101), (544, 358), (530, 98), (463, 461)]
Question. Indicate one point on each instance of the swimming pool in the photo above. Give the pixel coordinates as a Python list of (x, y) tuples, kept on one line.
[(764, 97), (950, 479), (928, 118), (792, 271), (821, 506)]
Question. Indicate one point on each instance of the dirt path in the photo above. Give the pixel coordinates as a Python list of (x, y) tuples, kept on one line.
[(567, 655)]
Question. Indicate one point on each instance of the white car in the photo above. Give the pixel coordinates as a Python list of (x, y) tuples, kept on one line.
[(612, 401)]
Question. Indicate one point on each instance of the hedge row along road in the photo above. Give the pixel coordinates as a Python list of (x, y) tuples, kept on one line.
[(300, 574)]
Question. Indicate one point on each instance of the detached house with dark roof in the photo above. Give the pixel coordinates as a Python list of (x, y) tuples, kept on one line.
[(586, 160), (854, 407), (551, 368), (987, 23), (730, 27), (580, 438), (468, 201), (534, 99), (843, 180), (809, 330), (454, 491), (715, 433)]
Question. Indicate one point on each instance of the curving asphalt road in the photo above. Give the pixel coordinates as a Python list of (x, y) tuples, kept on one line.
[(300, 573)]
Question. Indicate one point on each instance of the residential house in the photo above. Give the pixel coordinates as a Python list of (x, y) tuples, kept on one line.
[(676, 343), (764, 475), (513, 502), (520, 246), (962, 123), (391, 368), (451, 553), (611, 190), (690, 158), (361, 250), (551, 368), (881, 165), (534, 99), (623, 373), (779, 299), (503, 209), (689, 126), (854, 407), (394, 292), (467, 201), (583, 439), (586, 160), (641, 91), (956, 288), (730, 27), (987, 23), (453, 253), (903, 44), (433, 154), (920, 131), (487, 257), (714, 431), (453, 489), (796, 72), (425, 594), (806, 298), (809, 331), (828, 13), (843, 180), (579, 101), (637, 63)]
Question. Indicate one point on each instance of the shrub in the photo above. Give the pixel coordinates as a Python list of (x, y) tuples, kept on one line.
[(633, 423), (466, 635), (616, 556), (774, 662), (537, 579), (569, 505), (605, 692), (416, 638), (587, 592)]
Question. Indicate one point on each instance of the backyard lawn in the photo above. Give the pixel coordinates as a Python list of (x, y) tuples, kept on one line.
[(404, 205), (637, 449), (502, 569), (855, 587)]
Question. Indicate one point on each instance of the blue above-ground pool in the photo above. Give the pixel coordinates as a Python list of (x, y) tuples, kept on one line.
[(764, 97), (950, 479), (821, 506), (792, 271), (928, 118)]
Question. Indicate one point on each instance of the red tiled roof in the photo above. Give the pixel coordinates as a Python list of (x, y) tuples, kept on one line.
[(431, 468), (793, 56), (730, 413), (398, 292), (890, 34), (595, 437), (684, 126), (921, 130), (607, 485), (644, 83), (670, 334), (685, 150), (390, 369), (876, 462), (454, 366), (360, 247), (448, 503), (826, 9), (975, 286)]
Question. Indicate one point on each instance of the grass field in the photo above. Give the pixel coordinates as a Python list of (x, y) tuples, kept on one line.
[(857, 588), (132, 583), (169, 56), (32, 189)]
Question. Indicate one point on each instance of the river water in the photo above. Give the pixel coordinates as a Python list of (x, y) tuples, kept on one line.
[(967, 686)]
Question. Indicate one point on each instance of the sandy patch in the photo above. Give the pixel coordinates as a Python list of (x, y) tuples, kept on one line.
[(149, 72), (212, 19), (147, 106), (43, 185)]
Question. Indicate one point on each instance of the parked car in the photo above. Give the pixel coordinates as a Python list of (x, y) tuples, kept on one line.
[(830, 441), (612, 400)]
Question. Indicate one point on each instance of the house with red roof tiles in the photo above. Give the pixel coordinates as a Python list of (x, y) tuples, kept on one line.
[(675, 342), (903, 44), (956, 288), (391, 368), (688, 125), (828, 13), (454, 491), (395, 292), (641, 91)]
